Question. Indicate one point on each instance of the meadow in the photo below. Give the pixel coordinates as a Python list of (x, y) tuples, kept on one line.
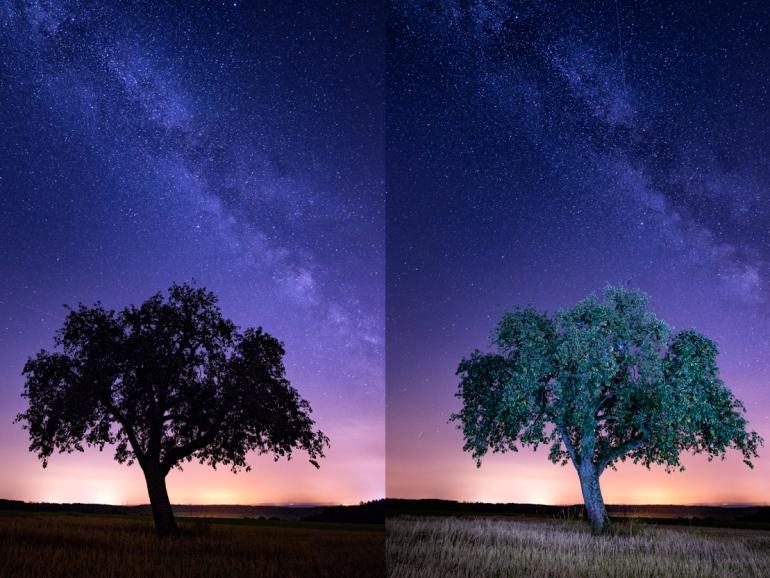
[(442, 547), (43, 544)]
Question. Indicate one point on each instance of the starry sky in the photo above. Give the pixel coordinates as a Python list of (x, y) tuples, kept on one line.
[(537, 151), (237, 144)]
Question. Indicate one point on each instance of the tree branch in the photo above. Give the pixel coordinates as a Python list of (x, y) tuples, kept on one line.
[(138, 450), (621, 450), (177, 453), (604, 400), (567, 443)]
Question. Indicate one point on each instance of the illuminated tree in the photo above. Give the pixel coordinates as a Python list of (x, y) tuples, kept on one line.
[(602, 382), (166, 382)]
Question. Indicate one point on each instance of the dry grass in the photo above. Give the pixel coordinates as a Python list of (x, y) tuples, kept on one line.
[(449, 547), (65, 545)]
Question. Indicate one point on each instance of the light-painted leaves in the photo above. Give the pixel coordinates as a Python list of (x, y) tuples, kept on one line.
[(603, 381)]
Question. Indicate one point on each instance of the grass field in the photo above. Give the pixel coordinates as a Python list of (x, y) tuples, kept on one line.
[(43, 545), (448, 547)]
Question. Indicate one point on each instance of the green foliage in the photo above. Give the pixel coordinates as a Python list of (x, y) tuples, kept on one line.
[(604, 381), (166, 382)]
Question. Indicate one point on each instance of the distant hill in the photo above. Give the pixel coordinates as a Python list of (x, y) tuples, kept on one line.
[(707, 515), (236, 511), (364, 513), (18, 505), (375, 512), (181, 510)]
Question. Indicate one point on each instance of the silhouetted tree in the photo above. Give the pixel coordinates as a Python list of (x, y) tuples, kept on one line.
[(166, 382), (601, 382)]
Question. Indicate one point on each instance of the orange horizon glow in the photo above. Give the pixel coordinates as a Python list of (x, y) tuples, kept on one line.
[(528, 477), (101, 481), (352, 472)]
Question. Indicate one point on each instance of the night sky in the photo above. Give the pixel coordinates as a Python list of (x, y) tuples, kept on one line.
[(537, 151), (238, 144), (533, 152)]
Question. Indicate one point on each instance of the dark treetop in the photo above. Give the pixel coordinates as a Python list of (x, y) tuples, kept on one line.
[(168, 381)]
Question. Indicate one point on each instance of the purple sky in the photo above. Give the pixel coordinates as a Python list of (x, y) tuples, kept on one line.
[(239, 145), (535, 151), (540, 150)]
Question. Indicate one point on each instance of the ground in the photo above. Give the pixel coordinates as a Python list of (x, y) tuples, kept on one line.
[(42, 545), (444, 547)]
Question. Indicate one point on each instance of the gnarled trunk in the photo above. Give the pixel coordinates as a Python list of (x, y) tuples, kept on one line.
[(592, 498), (165, 523)]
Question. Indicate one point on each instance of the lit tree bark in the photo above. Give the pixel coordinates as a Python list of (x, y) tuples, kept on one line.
[(592, 497)]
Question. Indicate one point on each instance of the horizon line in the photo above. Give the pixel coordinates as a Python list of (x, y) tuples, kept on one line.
[(692, 504), (332, 504), (218, 505)]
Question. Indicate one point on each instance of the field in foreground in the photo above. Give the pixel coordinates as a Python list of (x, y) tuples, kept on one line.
[(448, 547), (42, 545)]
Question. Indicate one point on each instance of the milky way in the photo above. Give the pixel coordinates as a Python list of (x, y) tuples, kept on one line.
[(535, 151), (236, 145), (539, 151)]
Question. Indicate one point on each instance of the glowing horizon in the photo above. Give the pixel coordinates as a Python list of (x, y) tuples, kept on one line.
[(557, 486)]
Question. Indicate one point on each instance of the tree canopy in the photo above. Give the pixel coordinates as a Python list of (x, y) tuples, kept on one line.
[(600, 383), (166, 382)]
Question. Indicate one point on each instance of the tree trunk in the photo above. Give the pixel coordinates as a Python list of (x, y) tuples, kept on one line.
[(165, 523), (592, 498)]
